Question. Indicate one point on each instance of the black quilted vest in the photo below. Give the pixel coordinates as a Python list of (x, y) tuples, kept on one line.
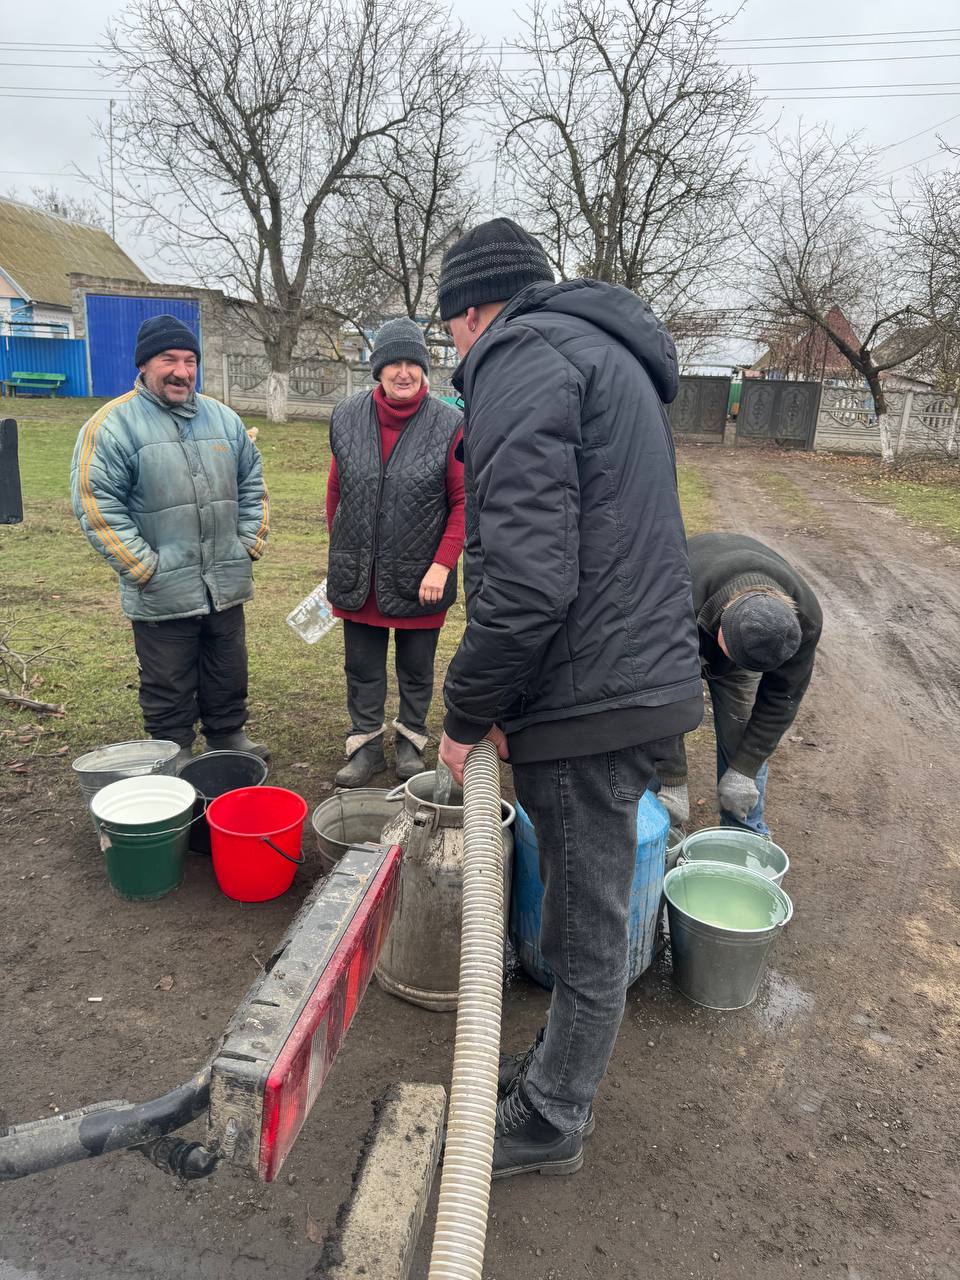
[(390, 519)]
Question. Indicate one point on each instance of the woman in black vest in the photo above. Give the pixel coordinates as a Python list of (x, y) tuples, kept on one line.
[(395, 514)]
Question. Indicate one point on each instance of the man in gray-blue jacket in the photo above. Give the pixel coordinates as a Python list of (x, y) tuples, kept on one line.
[(168, 487)]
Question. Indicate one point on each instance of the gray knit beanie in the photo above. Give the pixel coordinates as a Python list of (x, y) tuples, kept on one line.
[(760, 632), (399, 340), (490, 264)]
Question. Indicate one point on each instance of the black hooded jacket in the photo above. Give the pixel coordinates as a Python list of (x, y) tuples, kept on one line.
[(580, 635)]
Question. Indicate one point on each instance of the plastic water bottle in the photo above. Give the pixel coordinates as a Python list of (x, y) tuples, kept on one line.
[(313, 617)]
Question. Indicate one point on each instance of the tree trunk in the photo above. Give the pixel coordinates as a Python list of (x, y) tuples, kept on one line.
[(278, 387), (883, 418), (886, 445)]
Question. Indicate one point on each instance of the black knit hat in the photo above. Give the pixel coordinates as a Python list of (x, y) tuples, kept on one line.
[(760, 632), (399, 340), (490, 264), (163, 333)]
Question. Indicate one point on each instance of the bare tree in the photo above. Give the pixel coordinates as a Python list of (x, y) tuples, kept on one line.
[(397, 226), (821, 258), (249, 121), (928, 237), (75, 208), (52, 200), (626, 136)]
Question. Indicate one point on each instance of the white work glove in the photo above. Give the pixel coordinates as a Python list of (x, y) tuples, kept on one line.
[(737, 794), (676, 801)]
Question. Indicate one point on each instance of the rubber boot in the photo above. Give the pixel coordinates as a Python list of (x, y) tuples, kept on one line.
[(363, 765), (236, 741), (410, 762), (185, 754)]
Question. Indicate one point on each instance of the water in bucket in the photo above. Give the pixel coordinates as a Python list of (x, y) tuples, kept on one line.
[(728, 904), (723, 922), (738, 849)]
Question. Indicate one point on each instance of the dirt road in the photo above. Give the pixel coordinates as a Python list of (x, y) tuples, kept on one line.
[(816, 1130)]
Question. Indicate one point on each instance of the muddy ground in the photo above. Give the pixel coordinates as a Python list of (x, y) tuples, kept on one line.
[(816, 1130)]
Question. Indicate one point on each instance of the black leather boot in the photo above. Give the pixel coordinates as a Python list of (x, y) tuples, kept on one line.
[(526, 1143), (513, 1068), (363, 765)]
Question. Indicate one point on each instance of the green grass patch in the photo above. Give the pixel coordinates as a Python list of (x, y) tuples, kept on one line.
[(933, 506), (58, 593), (696, 499), (788, 495)]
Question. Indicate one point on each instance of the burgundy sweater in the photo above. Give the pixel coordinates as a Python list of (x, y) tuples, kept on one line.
[(392, 417)]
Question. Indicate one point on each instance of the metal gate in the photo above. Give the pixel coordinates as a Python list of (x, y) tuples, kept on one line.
[(700, 408), (112, 324), (784, 411)]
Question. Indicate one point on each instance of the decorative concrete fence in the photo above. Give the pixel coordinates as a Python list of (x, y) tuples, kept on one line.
[(921, 422), (316, 385)]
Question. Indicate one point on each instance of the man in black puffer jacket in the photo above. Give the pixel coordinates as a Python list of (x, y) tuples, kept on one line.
[(580, 652)]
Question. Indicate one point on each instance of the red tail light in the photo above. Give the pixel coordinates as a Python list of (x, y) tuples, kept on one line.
[(283, 1040)]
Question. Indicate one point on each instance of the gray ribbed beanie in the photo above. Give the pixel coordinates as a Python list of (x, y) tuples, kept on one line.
[(490, 264), (761, 632), (399, 340)]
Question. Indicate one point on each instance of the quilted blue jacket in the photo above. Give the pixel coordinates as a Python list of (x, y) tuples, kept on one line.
[(174, 500)]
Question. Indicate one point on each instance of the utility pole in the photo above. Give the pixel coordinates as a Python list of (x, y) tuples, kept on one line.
[(113, 215), (496, 170)]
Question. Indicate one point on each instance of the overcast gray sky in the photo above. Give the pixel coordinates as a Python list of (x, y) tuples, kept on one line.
[(43, 134)]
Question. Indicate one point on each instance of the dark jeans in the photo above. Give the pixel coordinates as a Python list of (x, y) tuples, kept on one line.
[(365, 663), (733, 695), (193, 668), (584, 811)]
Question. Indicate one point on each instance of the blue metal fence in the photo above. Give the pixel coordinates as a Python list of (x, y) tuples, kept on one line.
[(47, 355), (112, 324)]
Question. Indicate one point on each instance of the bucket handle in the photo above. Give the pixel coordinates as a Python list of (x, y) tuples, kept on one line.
[(396, 793), (297, 862), (104, 826)]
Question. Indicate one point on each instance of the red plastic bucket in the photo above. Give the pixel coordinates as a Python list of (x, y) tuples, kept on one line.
[(256, 836)]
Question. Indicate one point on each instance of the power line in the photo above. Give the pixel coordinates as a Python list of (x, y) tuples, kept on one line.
[(86, 66), (930, 127), (911, 164), (830, 62), (902, 84), (851, 97), (850, 35)]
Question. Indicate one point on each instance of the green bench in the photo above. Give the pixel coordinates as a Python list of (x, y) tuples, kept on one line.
[(33, 384)]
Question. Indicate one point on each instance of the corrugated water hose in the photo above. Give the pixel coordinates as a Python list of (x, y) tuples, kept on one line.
[(461, 1230)]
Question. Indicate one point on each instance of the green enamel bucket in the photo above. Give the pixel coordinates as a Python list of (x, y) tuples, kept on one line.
[(144, 825)]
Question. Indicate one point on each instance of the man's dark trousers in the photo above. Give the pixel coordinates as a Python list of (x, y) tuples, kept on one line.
[(584, 813), (190, 669)]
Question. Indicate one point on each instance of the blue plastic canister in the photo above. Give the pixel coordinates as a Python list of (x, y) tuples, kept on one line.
[(645, 892)]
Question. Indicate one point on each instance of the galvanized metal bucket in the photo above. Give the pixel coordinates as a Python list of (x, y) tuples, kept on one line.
[(420, 960), (738, 849), (98, 769), (352, 817), (719, 965), (675, 839)]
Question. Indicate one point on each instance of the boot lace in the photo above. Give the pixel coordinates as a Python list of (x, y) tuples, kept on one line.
[(513, 1111)]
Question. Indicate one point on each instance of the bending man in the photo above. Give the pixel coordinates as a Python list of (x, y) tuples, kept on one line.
[(759, 623)]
